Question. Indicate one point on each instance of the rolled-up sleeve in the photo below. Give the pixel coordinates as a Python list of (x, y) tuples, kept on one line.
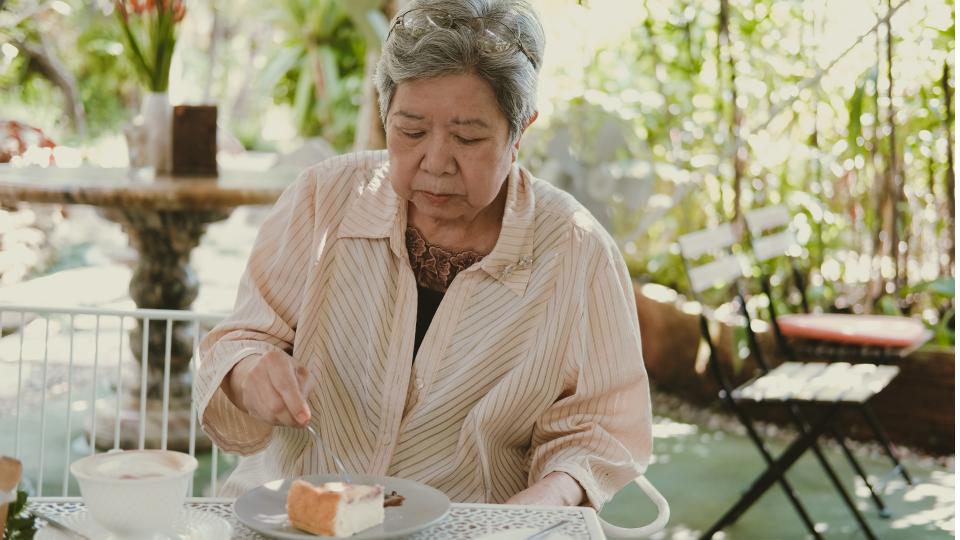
[(599, 430), (264, 317)]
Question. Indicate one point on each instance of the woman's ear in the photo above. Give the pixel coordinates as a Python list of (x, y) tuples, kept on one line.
[(516, 144)]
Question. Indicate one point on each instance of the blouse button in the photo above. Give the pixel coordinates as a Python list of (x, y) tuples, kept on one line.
[(419, 383)]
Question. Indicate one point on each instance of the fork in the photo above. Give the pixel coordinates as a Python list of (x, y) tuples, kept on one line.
[(323, 447), (59, 525), (542, 533)]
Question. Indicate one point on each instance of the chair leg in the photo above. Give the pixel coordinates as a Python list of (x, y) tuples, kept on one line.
[(775, 471), (881, 507), (881, 435), (835, 480)]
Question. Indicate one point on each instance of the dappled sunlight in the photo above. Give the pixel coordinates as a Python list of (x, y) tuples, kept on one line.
[(939, 490), (683, 533), (664, 428), (703, 462), (659, 292)]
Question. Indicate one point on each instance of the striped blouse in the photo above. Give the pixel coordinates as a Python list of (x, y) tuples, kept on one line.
[(531, 365)]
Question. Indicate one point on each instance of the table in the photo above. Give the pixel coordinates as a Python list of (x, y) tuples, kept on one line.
[(464, 521), (164, 217)]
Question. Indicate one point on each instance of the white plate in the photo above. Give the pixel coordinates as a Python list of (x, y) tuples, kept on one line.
[(264, 509), (191, 525)]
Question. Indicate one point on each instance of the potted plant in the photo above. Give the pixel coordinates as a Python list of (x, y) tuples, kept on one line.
[(149, 30)]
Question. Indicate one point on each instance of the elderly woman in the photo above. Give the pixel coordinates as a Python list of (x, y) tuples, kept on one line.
[(435, 311)]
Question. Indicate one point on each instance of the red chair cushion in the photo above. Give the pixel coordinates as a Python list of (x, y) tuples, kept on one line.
[(874, 330)]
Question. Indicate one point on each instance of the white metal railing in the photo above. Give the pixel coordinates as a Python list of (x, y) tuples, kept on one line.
[(97, 338), (23, 348)]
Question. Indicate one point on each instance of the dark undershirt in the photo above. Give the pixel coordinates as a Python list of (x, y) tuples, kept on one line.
[(428, 300)]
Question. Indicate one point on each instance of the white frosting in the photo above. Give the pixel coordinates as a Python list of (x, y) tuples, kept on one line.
[(359, 515)]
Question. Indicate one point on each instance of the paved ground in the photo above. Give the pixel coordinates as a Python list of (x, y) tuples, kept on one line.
[(702, 460)]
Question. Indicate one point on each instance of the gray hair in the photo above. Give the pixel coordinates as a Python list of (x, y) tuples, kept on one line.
[(453, 51)]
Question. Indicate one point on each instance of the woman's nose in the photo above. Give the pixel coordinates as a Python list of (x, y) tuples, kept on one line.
[(438, 157)]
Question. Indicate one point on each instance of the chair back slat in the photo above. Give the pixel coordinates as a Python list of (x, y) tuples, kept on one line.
[(764, 219), (721, 271), (766, 247), (774, 245), (722, 268), (697, 244)]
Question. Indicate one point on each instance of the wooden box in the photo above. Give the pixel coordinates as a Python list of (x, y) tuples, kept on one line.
[(195, 140)]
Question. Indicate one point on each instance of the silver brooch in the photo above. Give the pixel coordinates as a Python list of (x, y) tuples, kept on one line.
[(522, 264)]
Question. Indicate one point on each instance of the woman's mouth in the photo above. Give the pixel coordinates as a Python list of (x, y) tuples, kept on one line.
[(436, 198)]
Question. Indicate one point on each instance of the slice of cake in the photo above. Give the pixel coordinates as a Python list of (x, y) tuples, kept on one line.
[(335, 508)]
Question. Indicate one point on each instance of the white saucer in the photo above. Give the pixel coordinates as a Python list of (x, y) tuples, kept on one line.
[(191, 525)]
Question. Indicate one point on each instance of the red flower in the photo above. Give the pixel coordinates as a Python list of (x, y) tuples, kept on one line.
[(179, 10), (150, 38)]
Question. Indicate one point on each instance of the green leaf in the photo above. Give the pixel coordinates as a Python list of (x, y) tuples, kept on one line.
[(331, 74), (855, 108), (741, 348), (282, 63), (133, 48), (888, 305), (944, 286), (367, 16), (943, 334), (21, 525), (304, 98), (379, 24)]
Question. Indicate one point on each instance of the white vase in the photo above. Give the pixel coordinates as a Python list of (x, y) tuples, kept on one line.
[(156, 117)]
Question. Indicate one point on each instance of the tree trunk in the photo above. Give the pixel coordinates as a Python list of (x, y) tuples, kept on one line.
[(895, 175), (948, 179), (657, 62), (875, 286), (816, 256), (370, 134), (45, 61), (370, 130), (736, 118)]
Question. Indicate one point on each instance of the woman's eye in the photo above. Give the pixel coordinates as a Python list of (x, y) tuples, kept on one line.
[(413, 134), (464, 140)]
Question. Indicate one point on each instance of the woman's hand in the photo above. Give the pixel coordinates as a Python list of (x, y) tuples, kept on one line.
[(271, 388), (556, 489)]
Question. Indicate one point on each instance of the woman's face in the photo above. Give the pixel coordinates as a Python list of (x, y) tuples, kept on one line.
[(448, 144)]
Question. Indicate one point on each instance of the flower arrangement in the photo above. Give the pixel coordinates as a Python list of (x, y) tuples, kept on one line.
[(150, 30)]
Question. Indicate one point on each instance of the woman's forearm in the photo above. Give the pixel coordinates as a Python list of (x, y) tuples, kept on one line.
[(555, 489)]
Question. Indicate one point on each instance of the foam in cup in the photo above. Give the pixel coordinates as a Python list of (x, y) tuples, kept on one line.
[(136, 465)]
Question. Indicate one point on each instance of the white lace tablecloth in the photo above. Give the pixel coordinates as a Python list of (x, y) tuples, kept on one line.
[(464, 521)]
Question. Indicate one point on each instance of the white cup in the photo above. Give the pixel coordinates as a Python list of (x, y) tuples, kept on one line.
[(135, 493)]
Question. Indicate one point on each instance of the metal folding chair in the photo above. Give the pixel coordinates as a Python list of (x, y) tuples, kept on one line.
[(832, 336), (810, 393)]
